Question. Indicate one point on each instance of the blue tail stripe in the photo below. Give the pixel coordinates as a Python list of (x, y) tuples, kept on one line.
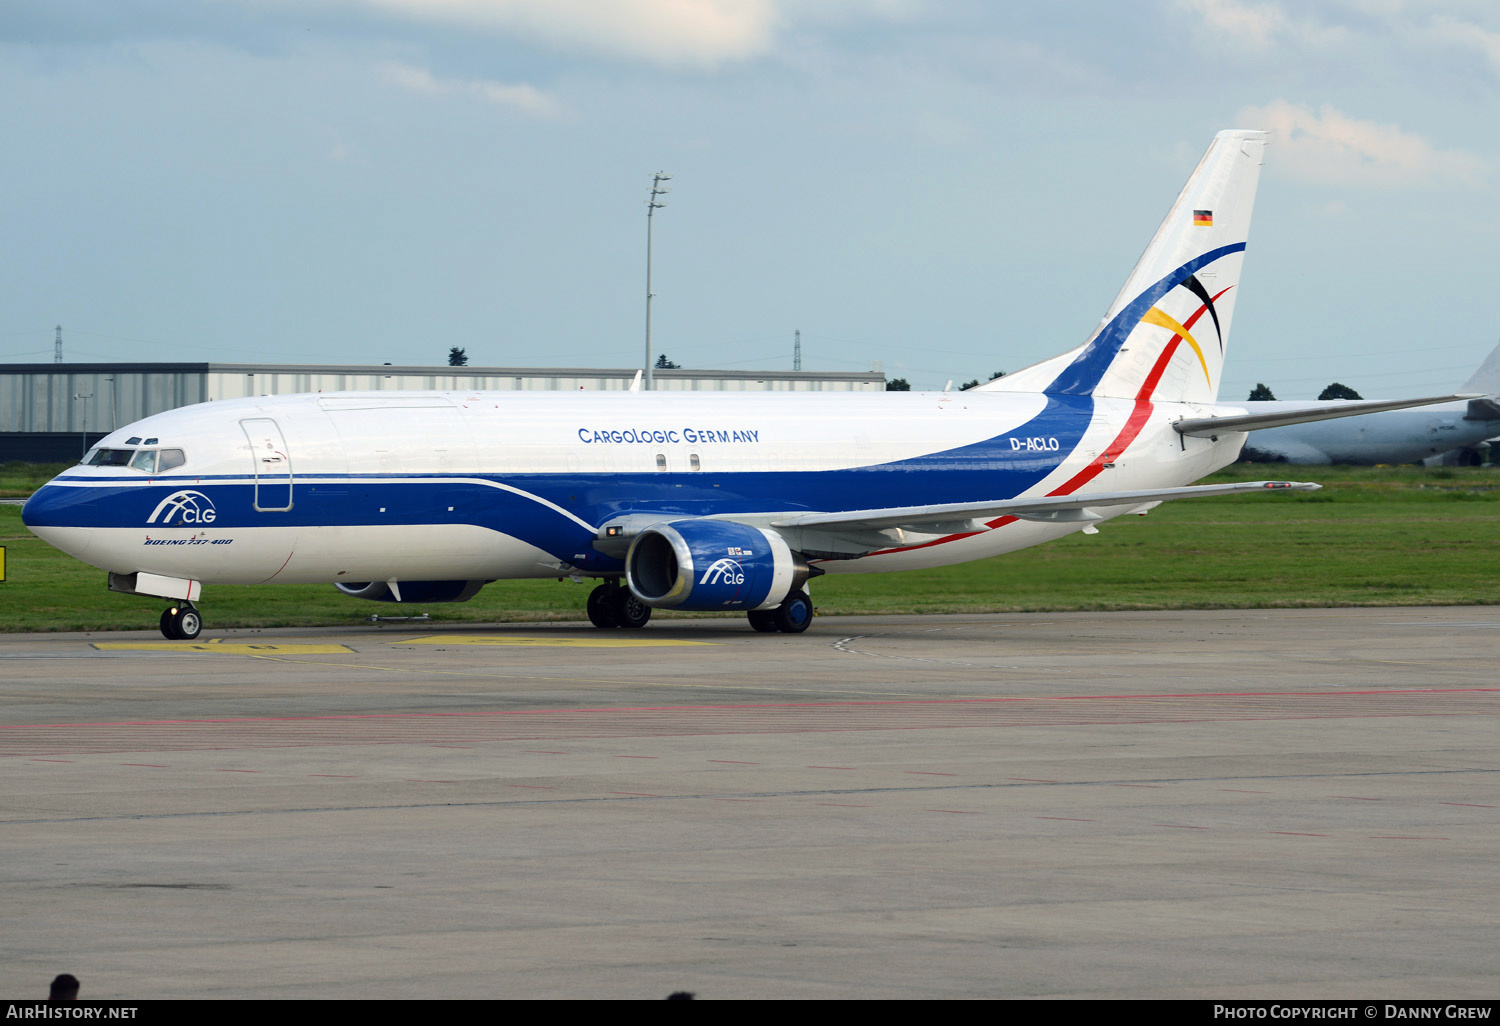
[(1083, 375)]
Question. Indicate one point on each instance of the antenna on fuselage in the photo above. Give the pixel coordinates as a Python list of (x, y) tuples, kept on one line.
[(635, 386)]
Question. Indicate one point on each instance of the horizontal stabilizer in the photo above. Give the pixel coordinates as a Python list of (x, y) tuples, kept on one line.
[(1049, 507), (1327, 410)]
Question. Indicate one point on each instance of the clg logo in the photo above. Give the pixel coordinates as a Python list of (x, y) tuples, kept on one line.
[(723, 571), (184, 508)]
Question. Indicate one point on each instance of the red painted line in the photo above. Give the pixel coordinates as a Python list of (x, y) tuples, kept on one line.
[(1070, 819), (1298, 833), (1324, 696), (931, 773), (1179, 826), (1112, 452), (1470, 805), (734, 762)]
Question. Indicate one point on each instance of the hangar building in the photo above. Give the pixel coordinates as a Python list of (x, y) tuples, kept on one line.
[(55, 411)]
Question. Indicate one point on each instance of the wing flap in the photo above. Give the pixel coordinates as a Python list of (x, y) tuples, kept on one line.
[(1051, 508)]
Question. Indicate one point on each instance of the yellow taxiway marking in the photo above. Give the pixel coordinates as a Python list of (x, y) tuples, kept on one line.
[(232, 648), (559, 642)]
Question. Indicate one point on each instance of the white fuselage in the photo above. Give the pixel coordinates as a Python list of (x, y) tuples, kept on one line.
[(352, 487)]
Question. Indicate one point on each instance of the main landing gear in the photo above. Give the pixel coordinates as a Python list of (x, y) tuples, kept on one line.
[(181, 623), (793, 616), (613, 606)]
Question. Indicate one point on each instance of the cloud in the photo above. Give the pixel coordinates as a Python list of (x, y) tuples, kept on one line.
[(1255, 25), (520, 97), (1469, 36), (1251, 24), (669, 32), (1332, 148)]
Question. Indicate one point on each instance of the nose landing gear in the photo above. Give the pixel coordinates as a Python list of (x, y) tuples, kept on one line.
[(181, 623)]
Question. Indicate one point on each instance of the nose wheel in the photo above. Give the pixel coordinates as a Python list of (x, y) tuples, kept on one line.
[(181, 623)]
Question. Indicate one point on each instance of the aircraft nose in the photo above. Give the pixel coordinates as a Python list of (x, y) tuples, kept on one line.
[(59, 516)]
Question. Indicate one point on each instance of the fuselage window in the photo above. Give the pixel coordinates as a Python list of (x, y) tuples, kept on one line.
[(170, 459), (661, 461), (693, 462), (145, 460)]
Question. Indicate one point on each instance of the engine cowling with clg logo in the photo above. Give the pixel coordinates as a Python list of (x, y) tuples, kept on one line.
[(712, 564)]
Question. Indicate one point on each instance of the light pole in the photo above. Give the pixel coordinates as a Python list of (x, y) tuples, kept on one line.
[(651, 208), (85, 398)]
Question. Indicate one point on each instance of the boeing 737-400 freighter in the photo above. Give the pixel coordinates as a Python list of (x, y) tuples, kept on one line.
[(687, 500)]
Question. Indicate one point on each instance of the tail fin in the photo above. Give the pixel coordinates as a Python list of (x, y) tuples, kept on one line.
[(1166, 333), (1485, 380)]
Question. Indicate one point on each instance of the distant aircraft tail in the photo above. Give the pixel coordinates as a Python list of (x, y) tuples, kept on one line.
[(1166, 333)]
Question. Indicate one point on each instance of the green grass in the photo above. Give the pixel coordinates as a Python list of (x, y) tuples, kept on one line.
[(1373, 536), (18, 480)]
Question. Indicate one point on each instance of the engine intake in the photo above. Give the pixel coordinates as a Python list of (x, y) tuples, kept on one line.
[(712, 564)]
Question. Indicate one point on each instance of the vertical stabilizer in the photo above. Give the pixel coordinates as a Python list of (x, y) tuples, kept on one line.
[(1486, 379), (1166, 333)]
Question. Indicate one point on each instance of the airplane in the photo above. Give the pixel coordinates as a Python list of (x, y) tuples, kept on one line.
[(1395, 436), (688, 500)]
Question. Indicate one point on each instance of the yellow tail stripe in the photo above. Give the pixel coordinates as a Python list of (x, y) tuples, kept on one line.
[(1162, 320)]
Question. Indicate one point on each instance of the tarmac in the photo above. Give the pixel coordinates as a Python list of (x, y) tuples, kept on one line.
[(1275, 804)]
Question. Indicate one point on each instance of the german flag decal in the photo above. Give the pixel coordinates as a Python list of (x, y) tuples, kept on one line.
[(1203, 219)]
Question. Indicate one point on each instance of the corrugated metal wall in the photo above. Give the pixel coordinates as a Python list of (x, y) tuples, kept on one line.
[(41, 397)]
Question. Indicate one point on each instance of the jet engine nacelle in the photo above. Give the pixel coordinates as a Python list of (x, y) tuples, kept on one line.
[(712, 564), (413, 591)]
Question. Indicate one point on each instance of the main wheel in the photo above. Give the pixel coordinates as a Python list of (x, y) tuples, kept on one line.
[(169, 626), (601, 606), (795, 613), (188, 622), (629, 610), (764, 620)]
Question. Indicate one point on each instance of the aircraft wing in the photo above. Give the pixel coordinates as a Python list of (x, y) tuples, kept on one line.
[(1054, 508), (1282, 417)]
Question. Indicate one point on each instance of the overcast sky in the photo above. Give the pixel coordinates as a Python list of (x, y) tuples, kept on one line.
[(951, 188)]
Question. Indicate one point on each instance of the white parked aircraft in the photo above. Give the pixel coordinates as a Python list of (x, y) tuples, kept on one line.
[(693, 500), (1395, 436)]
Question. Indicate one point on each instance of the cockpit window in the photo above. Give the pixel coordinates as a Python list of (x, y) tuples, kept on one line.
[(111, 457), (133, 441), (150, 461)]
